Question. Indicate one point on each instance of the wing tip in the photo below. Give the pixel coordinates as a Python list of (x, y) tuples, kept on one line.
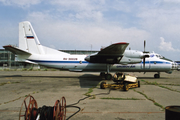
[(121, 43)]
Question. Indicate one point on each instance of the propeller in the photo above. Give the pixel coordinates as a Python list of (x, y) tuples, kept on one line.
[(144, 45), (145, 55)]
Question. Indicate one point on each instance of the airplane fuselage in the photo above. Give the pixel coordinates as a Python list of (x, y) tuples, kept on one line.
[(78, 63)]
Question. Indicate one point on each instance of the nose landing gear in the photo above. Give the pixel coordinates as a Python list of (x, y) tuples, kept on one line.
[(157, 75)]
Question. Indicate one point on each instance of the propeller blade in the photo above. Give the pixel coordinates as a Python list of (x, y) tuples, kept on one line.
[(144, 45), (144, 63)]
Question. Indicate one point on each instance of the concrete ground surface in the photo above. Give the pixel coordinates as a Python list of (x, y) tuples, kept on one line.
[(144, 103)]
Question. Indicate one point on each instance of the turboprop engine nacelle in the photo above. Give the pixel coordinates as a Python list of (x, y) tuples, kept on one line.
[(133, 54), (126, 60), (133, 57)]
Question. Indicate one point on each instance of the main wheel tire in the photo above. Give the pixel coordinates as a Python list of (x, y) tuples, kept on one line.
[(108, 76), (125, 87), (102, 74), (102, 85)]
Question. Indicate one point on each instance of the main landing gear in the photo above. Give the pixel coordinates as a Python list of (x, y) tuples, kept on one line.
[(157, 75), (107, 76)]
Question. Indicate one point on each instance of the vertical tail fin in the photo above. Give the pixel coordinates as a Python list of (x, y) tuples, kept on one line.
[(28, 40)]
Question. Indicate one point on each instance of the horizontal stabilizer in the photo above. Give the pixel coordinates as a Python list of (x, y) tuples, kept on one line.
[(27, 61), (16, 50)]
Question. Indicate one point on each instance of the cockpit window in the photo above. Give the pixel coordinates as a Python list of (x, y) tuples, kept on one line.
[(159, 56), (152, 55)]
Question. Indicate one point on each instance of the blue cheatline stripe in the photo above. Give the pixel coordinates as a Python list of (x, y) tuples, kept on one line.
[(47, 61), (157, 62)]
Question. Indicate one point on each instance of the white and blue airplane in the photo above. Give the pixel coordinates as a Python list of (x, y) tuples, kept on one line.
[(114, 58)]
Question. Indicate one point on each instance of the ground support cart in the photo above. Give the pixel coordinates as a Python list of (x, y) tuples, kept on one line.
[(122, 81)]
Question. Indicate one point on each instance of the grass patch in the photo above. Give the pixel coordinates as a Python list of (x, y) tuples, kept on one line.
[(173, 84), (24, 69), (53, 69), (12, 100), (92, 97), (169, 88), (155, 103), (45, 69), (89, 92), (112, 98), (152, 83), (30, 69), (6, 69), (1, 84), (155, 83), (161, 85), (18, 98)]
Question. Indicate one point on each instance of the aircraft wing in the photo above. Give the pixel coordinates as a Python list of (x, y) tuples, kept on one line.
[(16, 50), (110, 55)]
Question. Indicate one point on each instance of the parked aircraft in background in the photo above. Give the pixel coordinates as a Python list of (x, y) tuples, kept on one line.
[(112, 58)]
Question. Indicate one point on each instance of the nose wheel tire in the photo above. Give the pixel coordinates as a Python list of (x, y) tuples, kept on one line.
[(156, 76)]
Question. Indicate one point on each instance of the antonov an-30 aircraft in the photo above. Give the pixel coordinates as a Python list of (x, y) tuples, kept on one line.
[(112, 58)]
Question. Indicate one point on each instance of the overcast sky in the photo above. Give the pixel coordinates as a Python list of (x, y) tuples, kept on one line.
[(80, 24)]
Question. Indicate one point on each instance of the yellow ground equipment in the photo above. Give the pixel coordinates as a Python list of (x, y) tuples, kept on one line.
[(122, 81)]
